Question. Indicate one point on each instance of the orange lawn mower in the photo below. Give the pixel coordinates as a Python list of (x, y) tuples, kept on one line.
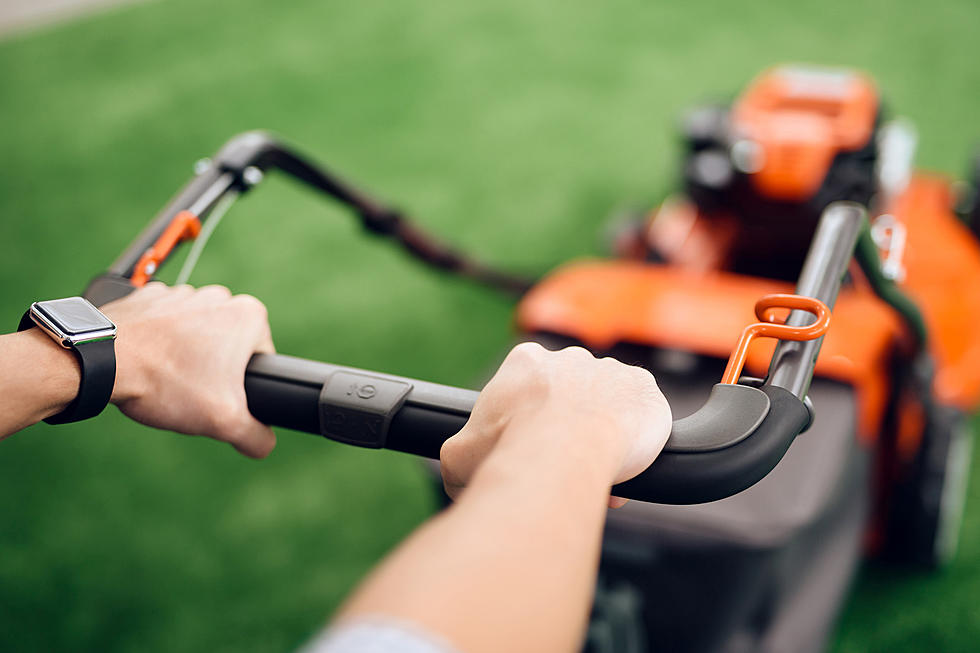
[(845, 281)]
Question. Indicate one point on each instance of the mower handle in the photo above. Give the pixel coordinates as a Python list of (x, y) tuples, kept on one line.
[(734, 440), (242, 162), (730, 443)]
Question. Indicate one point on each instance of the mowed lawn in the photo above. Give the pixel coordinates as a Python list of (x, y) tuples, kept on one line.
[(513, 128)]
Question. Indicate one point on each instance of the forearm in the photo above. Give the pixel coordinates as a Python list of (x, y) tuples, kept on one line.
[(511, 566), (37, 379)]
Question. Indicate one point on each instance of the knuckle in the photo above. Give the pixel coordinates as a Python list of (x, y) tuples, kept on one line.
[(655, 398), (215, 289), (528, 348), (448, 450), (525, 352), (613, 364), (518, 381), (578, 353), (642, 374), (226, 420), (153, 287), (262, 447), (251, 305), (150, 293)]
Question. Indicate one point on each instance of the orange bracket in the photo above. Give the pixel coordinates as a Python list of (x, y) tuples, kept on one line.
[(184, 226), (769, 328)]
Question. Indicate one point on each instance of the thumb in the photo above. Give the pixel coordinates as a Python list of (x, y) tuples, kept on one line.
[(460, 456), (255, 441)]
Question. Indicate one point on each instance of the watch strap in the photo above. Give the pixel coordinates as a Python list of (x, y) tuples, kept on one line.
[(97, 362)]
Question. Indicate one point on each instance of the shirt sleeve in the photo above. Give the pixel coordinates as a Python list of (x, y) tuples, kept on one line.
[(376, 635)]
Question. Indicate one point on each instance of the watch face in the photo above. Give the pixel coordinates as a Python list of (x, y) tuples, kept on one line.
[(74, 316)]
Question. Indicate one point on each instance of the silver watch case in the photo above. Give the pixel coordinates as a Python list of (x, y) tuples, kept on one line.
[(72, 321)]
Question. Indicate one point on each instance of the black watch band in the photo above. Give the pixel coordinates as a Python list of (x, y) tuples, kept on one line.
[(97, 361)]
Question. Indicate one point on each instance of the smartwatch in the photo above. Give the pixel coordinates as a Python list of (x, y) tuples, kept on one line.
[(75, 324)]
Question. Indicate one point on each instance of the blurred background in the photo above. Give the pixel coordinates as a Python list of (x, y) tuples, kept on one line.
[(512, 128)]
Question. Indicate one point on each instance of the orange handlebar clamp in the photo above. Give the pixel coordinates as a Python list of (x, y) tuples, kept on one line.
[(768, 328), (184, 226)]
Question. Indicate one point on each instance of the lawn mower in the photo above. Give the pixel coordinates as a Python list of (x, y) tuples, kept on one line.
[(801, 222)]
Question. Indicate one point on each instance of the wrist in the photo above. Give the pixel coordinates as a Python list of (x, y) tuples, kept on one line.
[(550, 461), (130, 377), (55, 372), (589, 440)]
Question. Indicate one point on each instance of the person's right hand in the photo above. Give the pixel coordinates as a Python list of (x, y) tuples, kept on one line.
[(181, 355), (568, 393)]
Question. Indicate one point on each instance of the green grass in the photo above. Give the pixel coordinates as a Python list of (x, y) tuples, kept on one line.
[(513, 128)]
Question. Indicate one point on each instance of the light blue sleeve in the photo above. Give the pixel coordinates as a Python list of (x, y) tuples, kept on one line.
[(377, 635)]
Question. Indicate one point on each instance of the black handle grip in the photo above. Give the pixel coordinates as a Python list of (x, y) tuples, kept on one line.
[(732, 442), (736, 438)]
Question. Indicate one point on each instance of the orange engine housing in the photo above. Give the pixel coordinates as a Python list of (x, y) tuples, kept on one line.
[(797, 120), (603, 303)]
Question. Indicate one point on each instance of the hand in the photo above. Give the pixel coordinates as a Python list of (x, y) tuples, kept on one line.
[(617, 408), (181, 355)]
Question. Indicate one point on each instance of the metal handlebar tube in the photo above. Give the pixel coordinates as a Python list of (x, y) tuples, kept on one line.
[(199, 196), (680, 475), (225, 172), (823, 271), (257, 152)]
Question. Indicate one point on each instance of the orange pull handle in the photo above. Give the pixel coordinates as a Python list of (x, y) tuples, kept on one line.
[(769, 328), (184, 226)]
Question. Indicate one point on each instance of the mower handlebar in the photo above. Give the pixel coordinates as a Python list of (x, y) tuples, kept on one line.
[(730, 443), (734, 440)]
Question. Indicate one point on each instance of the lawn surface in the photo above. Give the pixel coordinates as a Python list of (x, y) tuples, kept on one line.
[(513, 128)]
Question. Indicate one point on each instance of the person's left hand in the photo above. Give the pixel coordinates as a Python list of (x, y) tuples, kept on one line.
[(181, 355)]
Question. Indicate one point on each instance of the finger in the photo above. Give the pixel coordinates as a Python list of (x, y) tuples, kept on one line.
[(249, 305), (253, 314), (449, 452), (153, 288), (456, 464), (210, 295), (522, 355), (150, 292), (255, 441), (176, 293), (264, 344), (452, 489), (578, 353), (617, 502)]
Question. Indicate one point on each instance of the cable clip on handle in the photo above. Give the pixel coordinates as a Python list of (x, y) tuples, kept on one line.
[(184, 226), (765, 310)]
